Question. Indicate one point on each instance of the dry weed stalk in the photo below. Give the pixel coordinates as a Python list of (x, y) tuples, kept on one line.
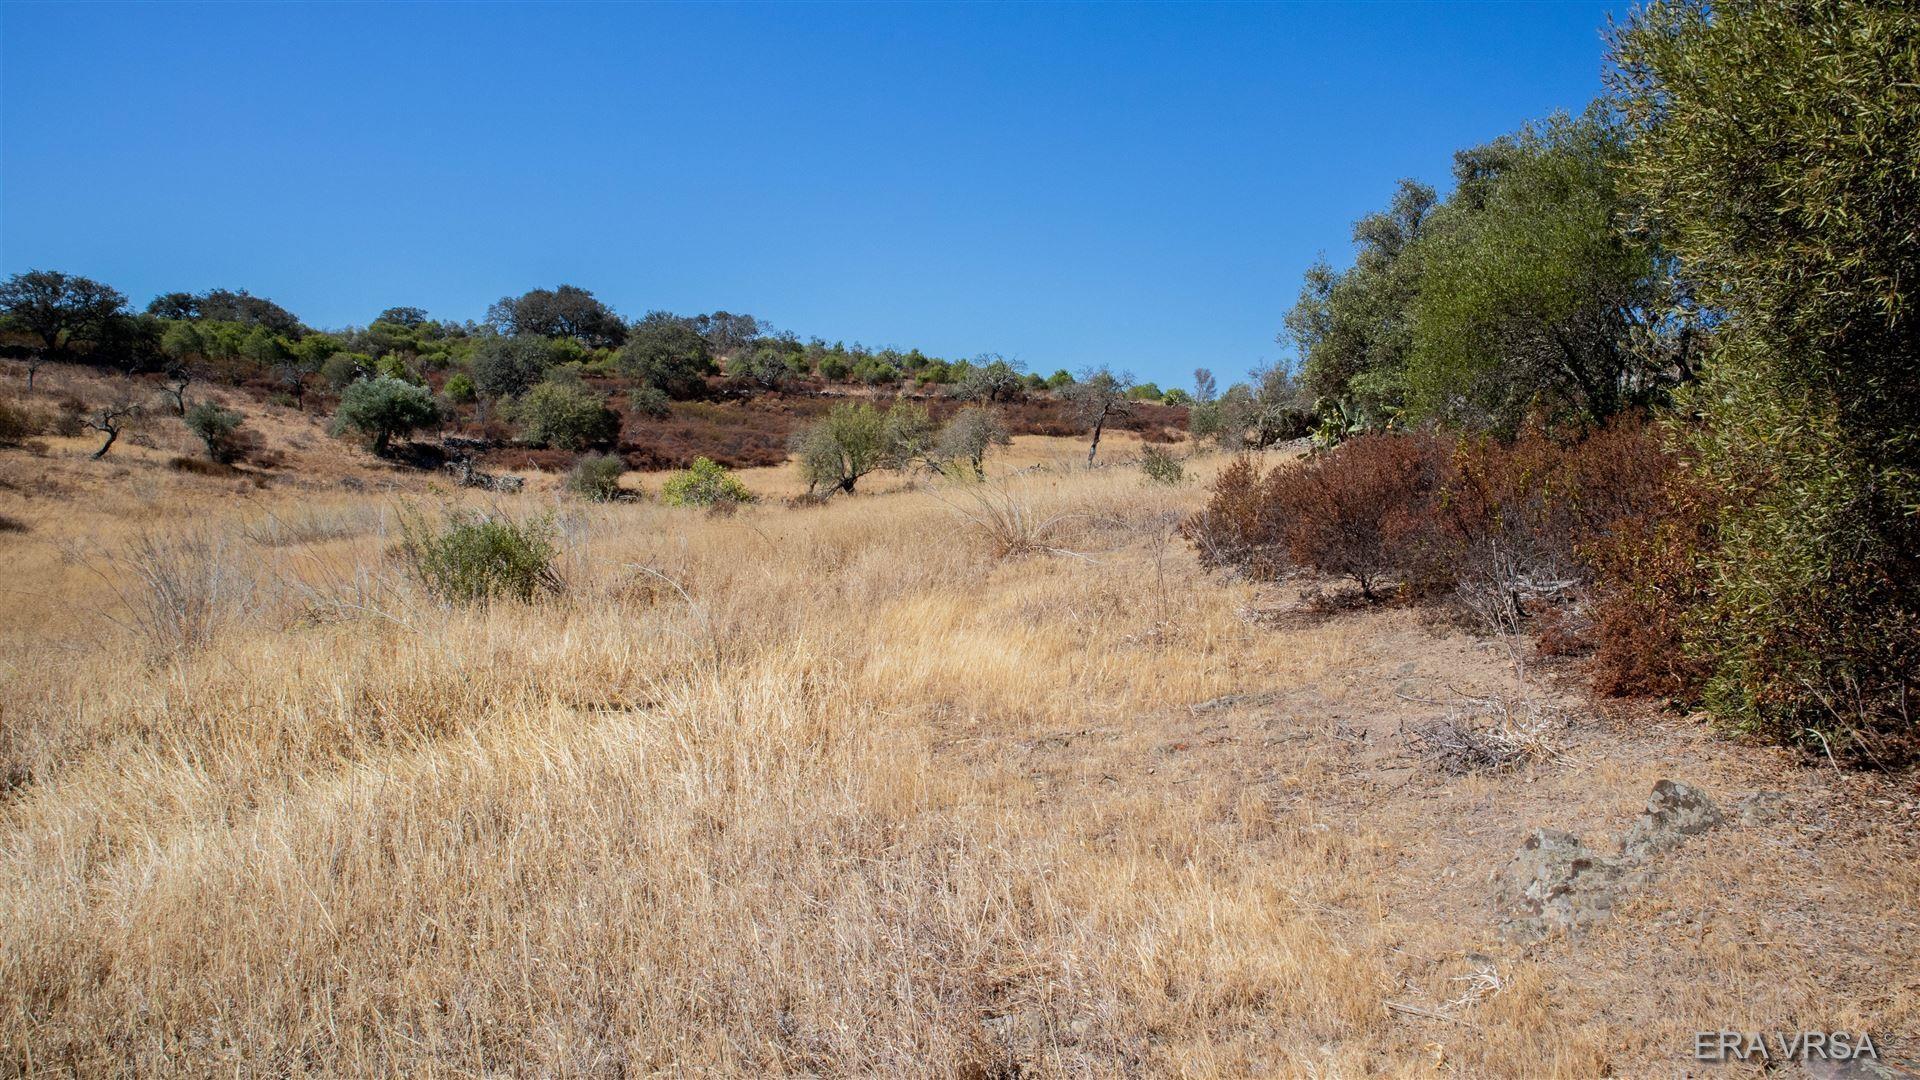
[(1490, 734), (1010, 524)]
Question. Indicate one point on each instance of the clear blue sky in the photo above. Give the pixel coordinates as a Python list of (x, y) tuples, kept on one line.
[(1068, 185)]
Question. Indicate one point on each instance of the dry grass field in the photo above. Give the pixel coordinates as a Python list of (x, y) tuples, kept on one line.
[(836, 790)]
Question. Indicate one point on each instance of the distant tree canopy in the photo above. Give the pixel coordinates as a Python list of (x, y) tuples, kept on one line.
[(726, 333), (409, 317), (991, 378), (226, 305), (61, 310), (504, 367), (668, 353), (568, 311)]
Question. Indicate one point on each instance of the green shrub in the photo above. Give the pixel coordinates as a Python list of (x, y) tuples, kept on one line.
[(218, 428), (1773, 149), (704, 483), (1162, 467), (650, 401), (343, 369), (379, 409), (459, 388), (566, 415), (472, 557), (597, 477)]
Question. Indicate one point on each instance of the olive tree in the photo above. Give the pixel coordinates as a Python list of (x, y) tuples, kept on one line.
[(381, 408), (1097, 398)]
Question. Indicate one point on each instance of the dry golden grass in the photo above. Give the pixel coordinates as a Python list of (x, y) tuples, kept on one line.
[(829, 790)]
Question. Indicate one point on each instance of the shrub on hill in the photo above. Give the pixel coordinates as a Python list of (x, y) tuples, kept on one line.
[(596, 477), (566, 416), (471, 558), (218, 429), (704, 483), (380, 409)]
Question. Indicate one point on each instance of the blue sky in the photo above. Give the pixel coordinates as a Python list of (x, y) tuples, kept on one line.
[(1064, 184)]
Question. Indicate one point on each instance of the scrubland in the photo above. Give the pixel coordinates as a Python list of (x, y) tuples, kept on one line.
[(836, 790)]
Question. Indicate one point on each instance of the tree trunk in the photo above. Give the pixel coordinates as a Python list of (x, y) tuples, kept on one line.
[(112, 434), (1098, 423)]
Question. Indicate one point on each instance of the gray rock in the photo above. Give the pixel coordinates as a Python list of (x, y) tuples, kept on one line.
[(1674, 812), (1556, 882)]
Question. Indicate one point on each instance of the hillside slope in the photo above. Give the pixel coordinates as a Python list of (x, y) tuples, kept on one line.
[(839, 790)]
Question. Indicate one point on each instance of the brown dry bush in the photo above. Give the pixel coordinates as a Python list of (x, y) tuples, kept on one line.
[(1520, 522), (1240, 526), (1363, 511), (1650, 584), (1594, 545)]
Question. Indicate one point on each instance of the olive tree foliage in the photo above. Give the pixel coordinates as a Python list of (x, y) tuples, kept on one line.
[(1526, 292), (1531, 295), (381, 408), (991, 378), (1774, 146), (1099, 397), (969, 435), (851, 441), (667, 353), (1351, 329), (61, 310), (506, 367), (568, 311)]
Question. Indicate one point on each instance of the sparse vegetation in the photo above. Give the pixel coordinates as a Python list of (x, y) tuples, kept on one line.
[(982, 773), (1161, 467)]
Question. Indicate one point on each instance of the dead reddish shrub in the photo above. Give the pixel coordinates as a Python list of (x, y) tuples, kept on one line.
[(1650, 582), (1591, 544), (1240, 526), (1363, 511)]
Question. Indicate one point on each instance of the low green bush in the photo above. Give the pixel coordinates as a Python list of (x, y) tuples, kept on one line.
[(473, 557), (596, 477), (1162, 467), (704, 483), (218, 429)]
